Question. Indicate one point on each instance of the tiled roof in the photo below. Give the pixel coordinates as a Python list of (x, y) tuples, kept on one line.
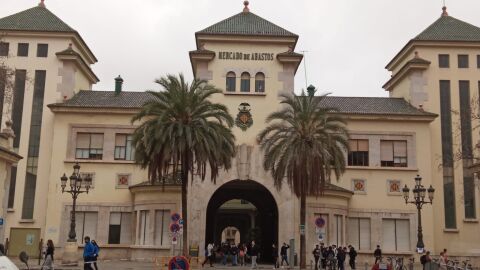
[(348, 105), (106, 99), (246, 23), (373, 105), (448, 28), (37, 18)]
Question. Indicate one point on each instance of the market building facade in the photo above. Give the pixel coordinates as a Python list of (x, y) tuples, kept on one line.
[(253, 61)]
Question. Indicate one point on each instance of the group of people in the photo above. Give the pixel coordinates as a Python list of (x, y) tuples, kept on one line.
[(237, 253), (332, 256)]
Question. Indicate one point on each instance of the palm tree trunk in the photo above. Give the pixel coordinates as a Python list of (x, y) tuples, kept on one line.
[(303, 259), (185, 170)]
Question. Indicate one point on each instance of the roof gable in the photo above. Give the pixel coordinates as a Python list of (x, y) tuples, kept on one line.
[(38, 18), (448, 28), (246, 23)]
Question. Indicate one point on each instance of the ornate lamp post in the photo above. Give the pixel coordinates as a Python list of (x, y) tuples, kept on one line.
[(76, 184), (419, 192)]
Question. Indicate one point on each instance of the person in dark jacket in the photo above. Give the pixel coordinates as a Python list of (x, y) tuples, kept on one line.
[(377, 254), (317, 253), (254, 254), (275, 256), (341, 256), (88, 254), (353, 255), (324, 256), (283, 254)]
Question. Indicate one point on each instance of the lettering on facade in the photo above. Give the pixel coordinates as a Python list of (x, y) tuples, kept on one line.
[(246, 56)]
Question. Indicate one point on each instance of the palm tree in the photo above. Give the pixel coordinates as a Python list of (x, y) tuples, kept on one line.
[(182, 134), (303, 143)]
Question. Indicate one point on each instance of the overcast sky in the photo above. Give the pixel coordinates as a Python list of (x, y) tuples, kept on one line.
[(349, 42)]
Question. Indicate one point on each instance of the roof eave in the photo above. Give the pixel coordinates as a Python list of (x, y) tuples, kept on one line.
[(405, 51), (295, 59), (404, 71), (428, 117), (290, 39), (61, 108), (78, 60)]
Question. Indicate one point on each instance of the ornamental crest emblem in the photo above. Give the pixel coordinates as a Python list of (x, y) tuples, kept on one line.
[(244, 117)]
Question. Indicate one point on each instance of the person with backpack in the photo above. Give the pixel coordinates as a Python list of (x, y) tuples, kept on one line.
[(353, 255), (88, 254)]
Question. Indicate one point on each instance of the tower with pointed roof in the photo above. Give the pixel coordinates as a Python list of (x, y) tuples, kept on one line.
[(47, 61), (439, 71)]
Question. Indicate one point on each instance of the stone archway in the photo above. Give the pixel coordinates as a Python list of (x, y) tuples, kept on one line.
[(262, 226)]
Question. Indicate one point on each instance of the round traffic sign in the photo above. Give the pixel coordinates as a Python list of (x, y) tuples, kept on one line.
[(175, 217), (174, 227)]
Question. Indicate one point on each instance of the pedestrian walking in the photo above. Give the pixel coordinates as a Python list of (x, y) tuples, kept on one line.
[(208, 255), (254, 254), (241, 254), (88, 254), (48, 260), (275, 256), (234, 253), (443, 261), (95, 255), (377, 254), (353, 255), (323, 259), (224, 252), (283, 254), (425, 260), (317, 253)]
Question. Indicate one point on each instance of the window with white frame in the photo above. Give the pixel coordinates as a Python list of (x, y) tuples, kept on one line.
[(144, 228), (89, 146), (123, 147), (162, 223), (359, 233), (86, 225), (119, 230), (396, 234), (393, 153)]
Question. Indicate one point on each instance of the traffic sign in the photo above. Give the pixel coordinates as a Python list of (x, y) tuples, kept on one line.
[(178, 263), (180, 221), (320, 222), (174, 227), (175, 217)]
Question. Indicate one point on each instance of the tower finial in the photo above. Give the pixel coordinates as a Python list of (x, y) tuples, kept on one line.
[(444, 11), (42, 3), (246, 9)]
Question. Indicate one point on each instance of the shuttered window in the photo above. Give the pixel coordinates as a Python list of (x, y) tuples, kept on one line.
[(260, 82), (231, 81), (444, 60), (120, 230), (338, 234), (393, 153), (4, 47), (396, 235), (89, 146), (463, 61), (42, 50), (358, 153), (22, 49), (162, 223), (144, 237), (86, 225), (358, 233), (245, 82), (123, 147)]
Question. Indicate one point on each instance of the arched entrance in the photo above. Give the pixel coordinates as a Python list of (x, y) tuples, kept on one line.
[(248, 206)]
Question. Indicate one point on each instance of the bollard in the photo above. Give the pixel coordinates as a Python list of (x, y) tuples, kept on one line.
[(366, 265)]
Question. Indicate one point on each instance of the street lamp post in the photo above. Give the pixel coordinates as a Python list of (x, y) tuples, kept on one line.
[(76, 184), (419, 192)]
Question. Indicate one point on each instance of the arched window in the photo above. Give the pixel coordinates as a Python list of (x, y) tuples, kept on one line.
[(245, 82), (260, 82), (231, 81)]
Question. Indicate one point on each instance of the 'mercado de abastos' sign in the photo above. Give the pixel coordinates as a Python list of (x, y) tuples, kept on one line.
[(245, 56)]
